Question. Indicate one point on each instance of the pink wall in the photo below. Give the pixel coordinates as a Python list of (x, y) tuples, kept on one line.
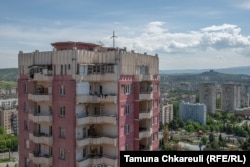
[(68, 122), (22, 116)]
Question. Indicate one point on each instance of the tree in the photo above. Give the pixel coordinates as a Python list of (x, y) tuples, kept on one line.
[(211, 137), (204, 140), (2, 131)]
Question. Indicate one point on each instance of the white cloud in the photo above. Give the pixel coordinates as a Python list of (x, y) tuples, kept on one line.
[(216, 45)]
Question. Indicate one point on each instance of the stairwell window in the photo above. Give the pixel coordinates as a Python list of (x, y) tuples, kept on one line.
[(127, 131), (62, 111), (62, 90), (61, 153), (127, 109), (62, 132)]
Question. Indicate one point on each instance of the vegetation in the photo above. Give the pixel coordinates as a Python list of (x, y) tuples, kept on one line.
[(9, 74), (7, 141), (7, 84)]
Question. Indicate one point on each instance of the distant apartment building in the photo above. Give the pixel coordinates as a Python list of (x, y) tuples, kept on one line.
[(194, 112), (9, 120), (8, 103), (81, 104), (207, 96), (230, 97), (167, 113)]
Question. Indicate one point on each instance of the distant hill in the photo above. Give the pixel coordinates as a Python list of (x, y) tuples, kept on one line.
[(8, 74), (245, 70)]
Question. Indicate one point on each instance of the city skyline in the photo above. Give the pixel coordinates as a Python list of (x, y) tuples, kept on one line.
[(185, 35)]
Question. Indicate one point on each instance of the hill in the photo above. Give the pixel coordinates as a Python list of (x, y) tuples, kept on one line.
[(245, 70), (8, 74), (210, 75)]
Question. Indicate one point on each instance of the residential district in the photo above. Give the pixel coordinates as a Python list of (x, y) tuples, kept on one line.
[(80, 104)]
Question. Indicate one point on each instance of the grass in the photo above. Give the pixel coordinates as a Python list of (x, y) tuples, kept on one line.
[(4, 160), (7, 84)]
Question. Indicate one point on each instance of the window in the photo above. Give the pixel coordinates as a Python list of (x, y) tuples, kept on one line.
[(26, 88), (127, 129), (62, 153), (127, 147), (69, 66), (61, 71), (127, 109), (62, 132), (62, 90), (126, 89), (143, 70), (84, 152), (27, 144), (26, 125), (62, 111)]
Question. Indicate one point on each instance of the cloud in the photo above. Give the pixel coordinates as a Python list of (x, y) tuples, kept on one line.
[(154, 37), (244, 5)]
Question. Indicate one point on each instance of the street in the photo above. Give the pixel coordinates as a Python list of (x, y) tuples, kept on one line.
[(6, 155)]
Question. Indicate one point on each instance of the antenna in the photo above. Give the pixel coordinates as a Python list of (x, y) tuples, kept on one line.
[(114, 39)]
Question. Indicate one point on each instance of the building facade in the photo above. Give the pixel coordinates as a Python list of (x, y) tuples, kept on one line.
[(166, 113), (194, 112), (230, 97), (207, 96), (9, 120), (80, 104)]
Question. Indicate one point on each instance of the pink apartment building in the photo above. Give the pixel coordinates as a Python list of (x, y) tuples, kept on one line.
[(81, 103)]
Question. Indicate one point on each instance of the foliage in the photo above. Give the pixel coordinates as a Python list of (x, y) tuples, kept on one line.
[(176, 123), (7, 141), (7, 84), (9, 74), (204, 140)]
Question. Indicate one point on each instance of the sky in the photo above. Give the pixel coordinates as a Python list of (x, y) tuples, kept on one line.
[(186, 34)]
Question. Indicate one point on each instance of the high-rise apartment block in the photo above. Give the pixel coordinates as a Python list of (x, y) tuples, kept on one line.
[(166, 113), (230, 97), (9, 120), (80, 104), (207, 96), (194, 112)]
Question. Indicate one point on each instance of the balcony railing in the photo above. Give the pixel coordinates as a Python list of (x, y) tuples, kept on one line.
[(96, 98), (41, 117), (145, 132), (140, 77), (97, 77), (96, 159), (146, 95), (146, 115), (42, 77), (146, 147), (96, 119), (40, 97), (96, 140), (41, 158), (42, 138)]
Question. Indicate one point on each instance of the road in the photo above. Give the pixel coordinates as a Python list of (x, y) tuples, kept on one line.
[(6, 155)]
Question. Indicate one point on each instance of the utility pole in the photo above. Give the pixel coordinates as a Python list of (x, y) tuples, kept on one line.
[(114, 39)]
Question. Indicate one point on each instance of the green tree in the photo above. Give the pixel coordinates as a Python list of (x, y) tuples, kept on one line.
[(204, 140), (211, 137)]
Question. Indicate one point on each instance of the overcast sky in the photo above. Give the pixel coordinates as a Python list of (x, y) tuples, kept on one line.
[(186, 34)]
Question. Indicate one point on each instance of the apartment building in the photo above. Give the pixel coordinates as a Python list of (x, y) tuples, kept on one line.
[(230, 97), (207, 95), (167, 113), (193, 111), (9, 120), (81, 103)]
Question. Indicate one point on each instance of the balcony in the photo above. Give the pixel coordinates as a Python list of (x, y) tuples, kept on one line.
[(41, 138), (97, 77), (140, 77), (145, 115), (96, 140), (97, 160), (39, 97), (96, 119), (145, 95), (96, 98), (40, 158), (41, 117), (145, 132), (42, 77)]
